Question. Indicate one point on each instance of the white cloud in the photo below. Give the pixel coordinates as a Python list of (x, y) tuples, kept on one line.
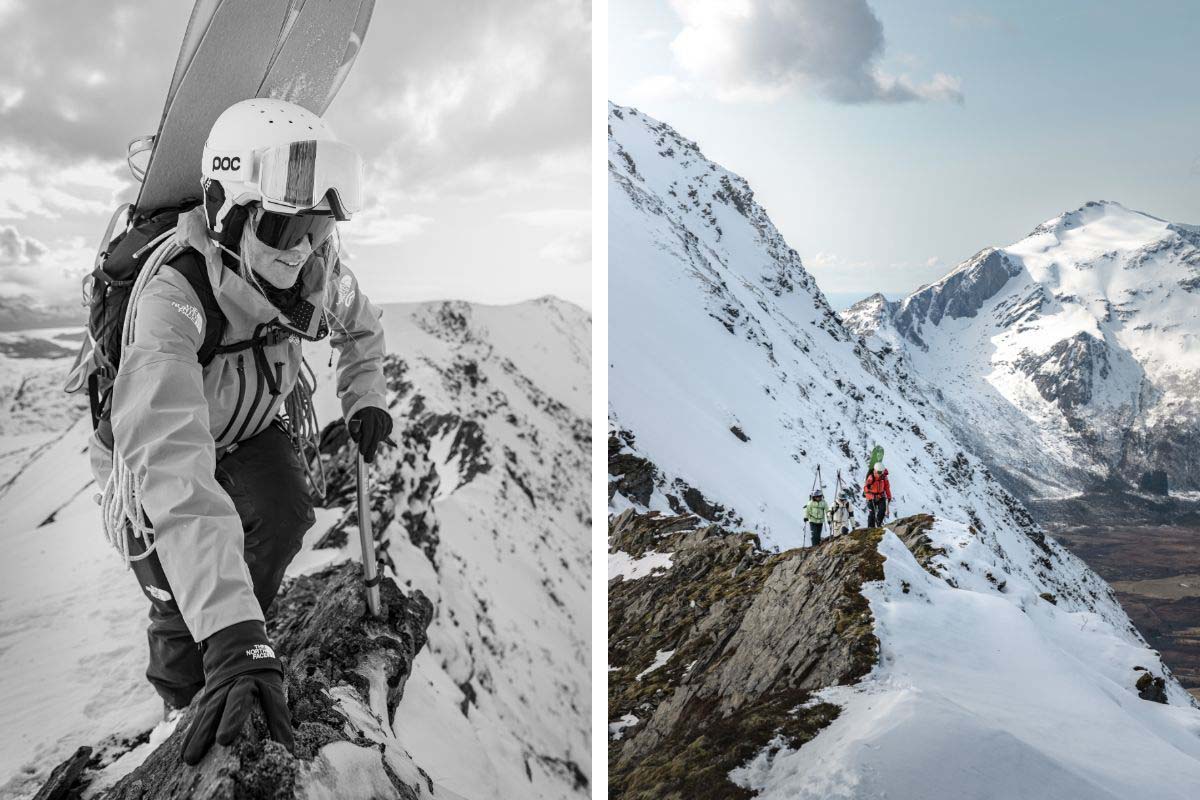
[(568, 249), (460, 117), (380, 224), (17, 250), (50, 273), (657, 89), (756, 50), (33, 184)]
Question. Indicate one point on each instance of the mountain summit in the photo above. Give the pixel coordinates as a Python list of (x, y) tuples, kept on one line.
[(1068, 358)]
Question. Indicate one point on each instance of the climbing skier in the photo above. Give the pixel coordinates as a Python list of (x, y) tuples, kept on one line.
[(878, 492), (815, 511), (218, 478), (841, 516)]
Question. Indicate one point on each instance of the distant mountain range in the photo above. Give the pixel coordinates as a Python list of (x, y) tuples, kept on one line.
[(24, 312), (1068, 359)]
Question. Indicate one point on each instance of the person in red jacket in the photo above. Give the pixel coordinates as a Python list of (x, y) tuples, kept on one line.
[(878, 492)]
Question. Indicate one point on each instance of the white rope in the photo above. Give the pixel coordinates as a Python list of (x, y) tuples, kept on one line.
[(303, 428), (121, 505)]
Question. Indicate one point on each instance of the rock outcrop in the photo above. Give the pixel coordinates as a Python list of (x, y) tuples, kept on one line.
[(345, 676), (722, 653)]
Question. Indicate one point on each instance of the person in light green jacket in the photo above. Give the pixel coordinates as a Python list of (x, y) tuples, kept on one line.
[(815, 512)]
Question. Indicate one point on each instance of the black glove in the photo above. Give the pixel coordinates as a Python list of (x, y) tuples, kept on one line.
[(239, 666), (368, 427)]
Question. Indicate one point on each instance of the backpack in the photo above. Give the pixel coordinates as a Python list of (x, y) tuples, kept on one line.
[(111, 284)]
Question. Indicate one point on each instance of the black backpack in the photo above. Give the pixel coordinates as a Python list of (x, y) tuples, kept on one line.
[(112, 283)]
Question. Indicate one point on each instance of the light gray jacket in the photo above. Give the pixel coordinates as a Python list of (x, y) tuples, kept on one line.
[(172, 418)]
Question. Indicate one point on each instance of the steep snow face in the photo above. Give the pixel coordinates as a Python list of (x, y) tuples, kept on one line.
[(729, 371), (1069, 356), (989, 685), (484, 507)]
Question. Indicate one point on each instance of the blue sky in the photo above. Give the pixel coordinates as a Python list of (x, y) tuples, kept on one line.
[(474, 120), (1014, 113)]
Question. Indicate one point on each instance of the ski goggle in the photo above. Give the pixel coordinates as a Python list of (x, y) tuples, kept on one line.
[(285, 231), (301, 175)]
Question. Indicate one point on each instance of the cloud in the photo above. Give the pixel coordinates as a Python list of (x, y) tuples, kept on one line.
[(462, 111), (50, 273), (981, 20), (71, 92), (658, 89), (381, 224), (757, 50), (18, 250), (570, 233), (36, 185), (486, 92), (574, 247)]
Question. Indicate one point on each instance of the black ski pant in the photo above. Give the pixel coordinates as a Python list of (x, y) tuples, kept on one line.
[(266, 481), (815, 529), (876, 511)]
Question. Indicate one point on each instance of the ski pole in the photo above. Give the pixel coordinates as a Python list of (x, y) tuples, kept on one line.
[(366, 538)]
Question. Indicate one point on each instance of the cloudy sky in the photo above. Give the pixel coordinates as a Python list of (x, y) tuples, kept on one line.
[(890, 139), (473, 118)]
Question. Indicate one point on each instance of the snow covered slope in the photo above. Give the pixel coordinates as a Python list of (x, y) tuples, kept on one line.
[(1004, 666), (1068, 357), (486, 505), (988, 686), (730, 372)]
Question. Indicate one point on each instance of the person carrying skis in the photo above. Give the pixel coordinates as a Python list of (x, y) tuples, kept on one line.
[(814, 512), (878, 492), (841, 517), (220, 481)]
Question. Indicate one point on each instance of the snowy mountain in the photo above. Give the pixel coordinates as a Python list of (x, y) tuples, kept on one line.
[(963, 653), (484, 508), (1068, 358), (24, 312)]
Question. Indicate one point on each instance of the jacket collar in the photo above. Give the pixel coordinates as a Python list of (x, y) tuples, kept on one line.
[(243, 304)]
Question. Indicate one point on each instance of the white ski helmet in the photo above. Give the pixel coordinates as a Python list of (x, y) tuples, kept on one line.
[(281, 155), (879, 466)]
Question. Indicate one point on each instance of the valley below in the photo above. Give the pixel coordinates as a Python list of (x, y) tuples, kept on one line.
[(1149, 552)]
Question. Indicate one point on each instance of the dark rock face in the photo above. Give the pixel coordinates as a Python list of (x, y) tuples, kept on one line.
[(1152, 688), (322, 634), (1066, 374), (1154, 482), (630, 474), (961, 294), (65, 781), (743, 638)]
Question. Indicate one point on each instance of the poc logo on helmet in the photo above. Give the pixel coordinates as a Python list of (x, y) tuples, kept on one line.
[(226, 163)]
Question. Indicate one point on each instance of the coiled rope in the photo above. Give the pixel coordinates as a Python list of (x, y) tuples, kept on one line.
[(121, 503)]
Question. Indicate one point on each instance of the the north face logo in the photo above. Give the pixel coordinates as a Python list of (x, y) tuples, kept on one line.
[(345, 290), (192, 313), (260, 651)]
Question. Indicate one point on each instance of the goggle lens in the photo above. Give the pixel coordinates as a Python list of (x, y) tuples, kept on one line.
[(285, 231)]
